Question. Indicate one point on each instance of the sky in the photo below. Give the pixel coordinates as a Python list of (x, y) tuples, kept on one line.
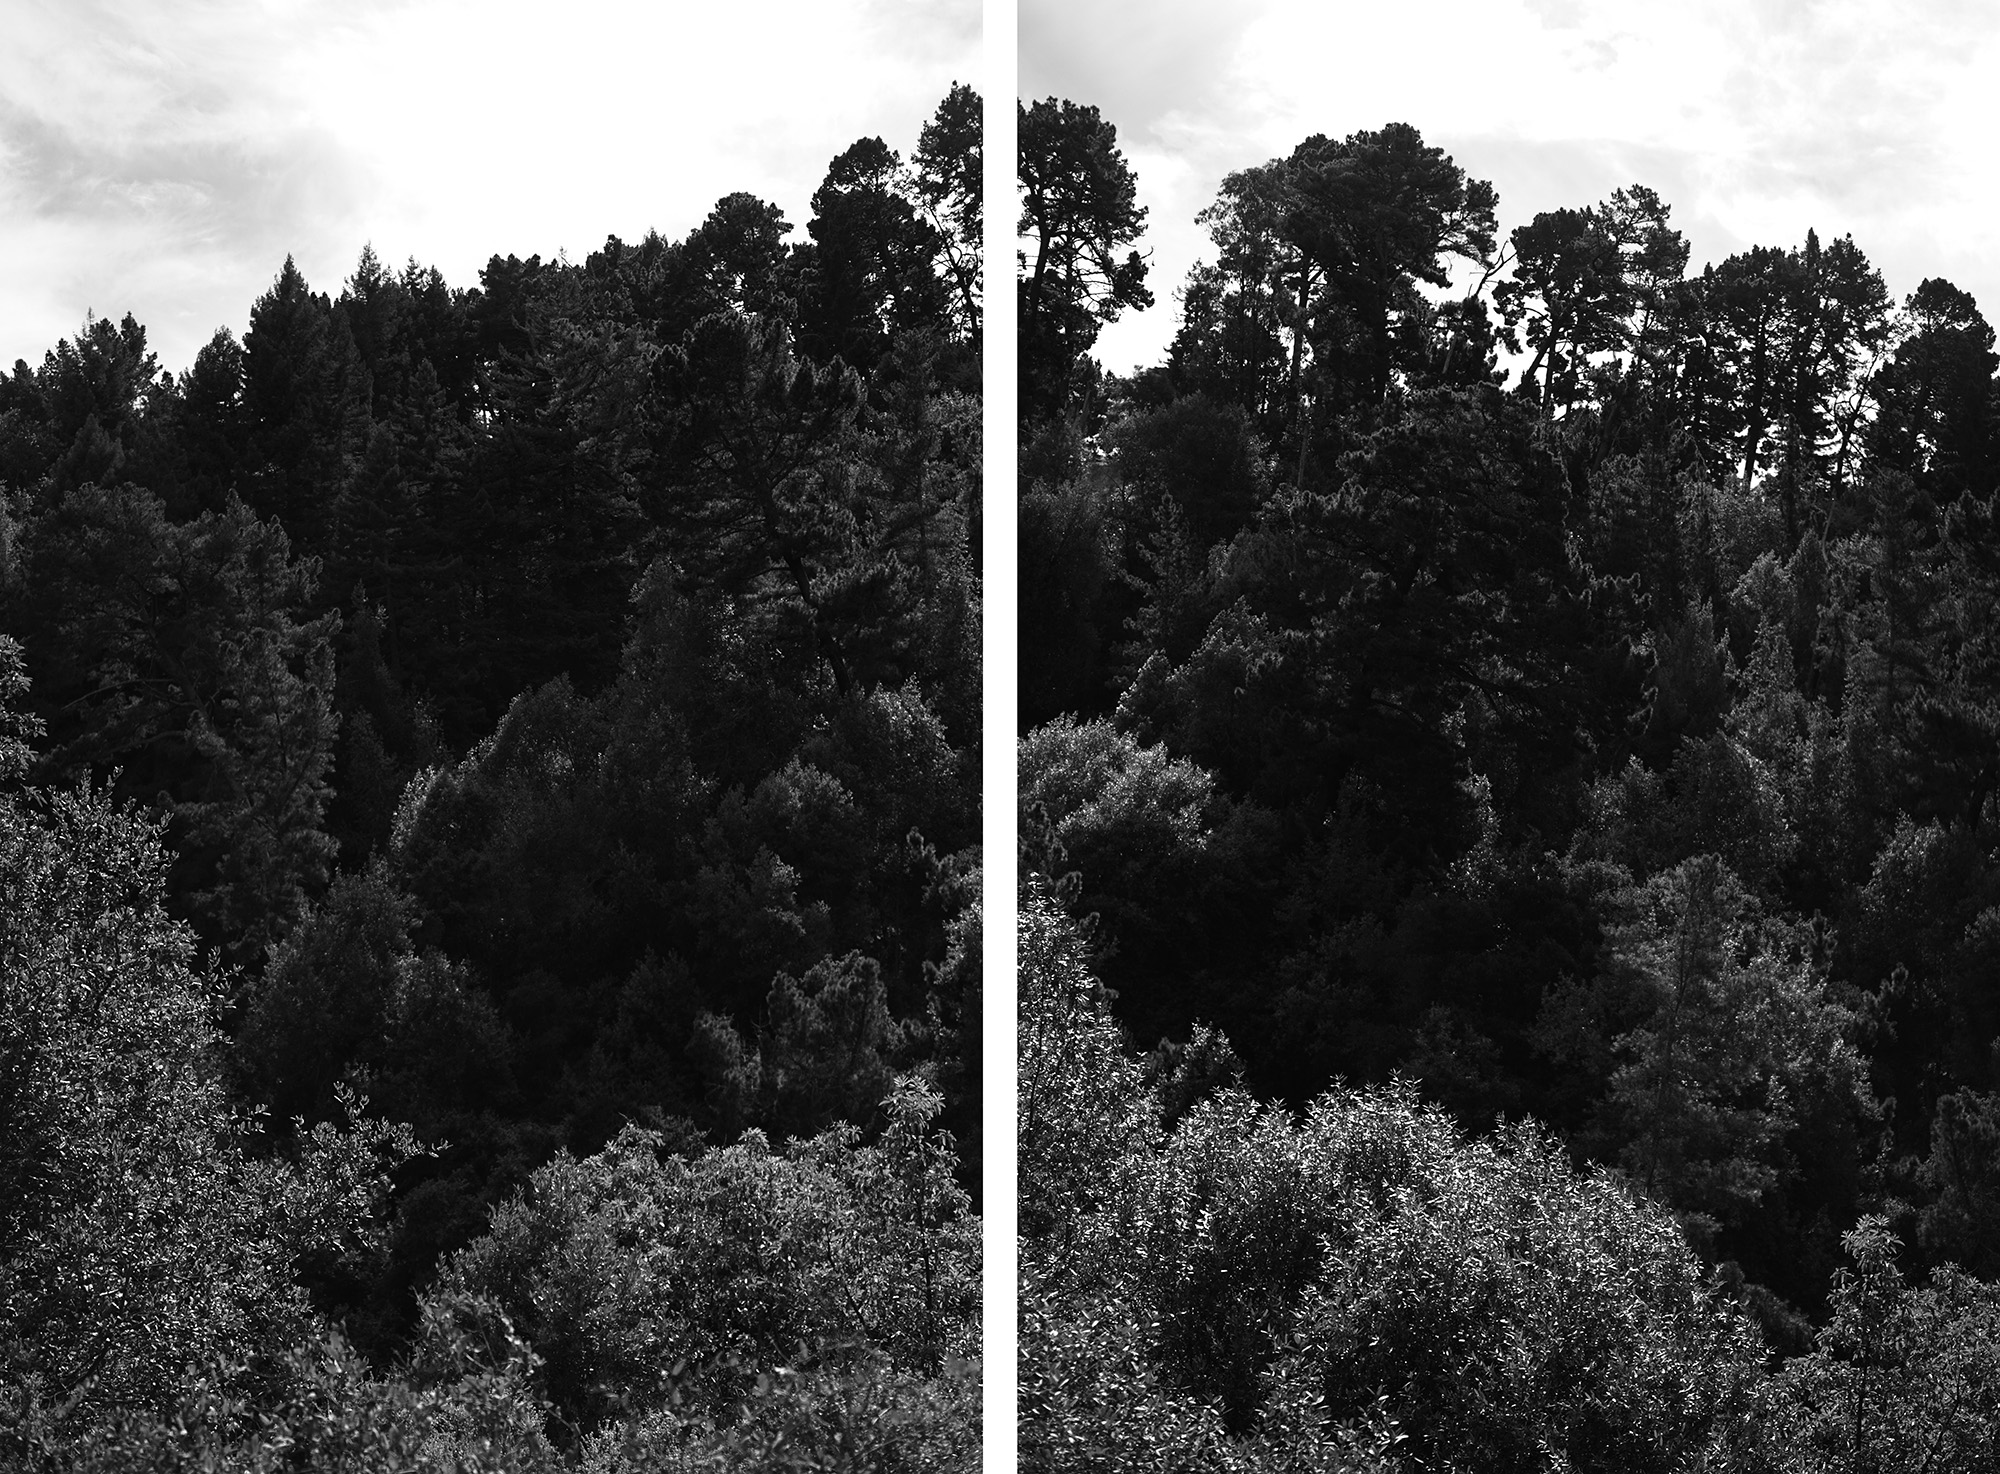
[(163, 159), (1753, 119)]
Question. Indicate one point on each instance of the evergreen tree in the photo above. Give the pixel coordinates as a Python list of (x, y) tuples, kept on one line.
[(1079, 209)]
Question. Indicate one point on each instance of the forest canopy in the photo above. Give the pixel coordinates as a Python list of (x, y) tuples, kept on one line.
[(1558, 678), (487, 800)]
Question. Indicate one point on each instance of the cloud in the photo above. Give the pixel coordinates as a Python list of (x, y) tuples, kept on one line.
[(148, 157), (1135, 64)]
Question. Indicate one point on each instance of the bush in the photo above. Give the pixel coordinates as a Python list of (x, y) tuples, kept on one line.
[(149, 1260), (1342, 1289), (642, 1281)]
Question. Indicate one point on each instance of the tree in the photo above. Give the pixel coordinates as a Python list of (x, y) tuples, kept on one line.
[(1837, 329), (348, 1002), (1962, 1178), (1592, 282), (262, 717), (869, 274), (1067, 571), (1567, 264), (1655, 263), (1432, 577), (1079, 209), (17, 727), (734, 261), (1952, 755), (629, 654), (1903, 1379), (1741, 302), (634, 1261), (534, 529), (1340, 1287), (948, 182), (143, 1249), (180, 650), (1935, 413), (1736, 1040), (1321, 257), (1157, 853), (94, 389), (754, 474), (305, 397), (1201, 453), (1380, 212), (1794, 334), (211, 428), (1244, 320)]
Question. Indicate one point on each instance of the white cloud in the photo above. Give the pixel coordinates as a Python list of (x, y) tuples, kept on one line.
[(165, 159), (1133, 63)]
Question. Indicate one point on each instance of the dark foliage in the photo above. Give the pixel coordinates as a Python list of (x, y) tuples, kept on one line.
[(542, 715), (1360, 1286), (1560, 680)]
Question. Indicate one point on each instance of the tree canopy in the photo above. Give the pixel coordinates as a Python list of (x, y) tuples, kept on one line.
[(1494, 680), (487, 796)]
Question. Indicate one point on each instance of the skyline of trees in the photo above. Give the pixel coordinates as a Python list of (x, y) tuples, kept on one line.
[(1507, 795)]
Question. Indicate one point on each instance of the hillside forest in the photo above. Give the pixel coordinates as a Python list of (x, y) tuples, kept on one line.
[(1511, 728), (489, 897)]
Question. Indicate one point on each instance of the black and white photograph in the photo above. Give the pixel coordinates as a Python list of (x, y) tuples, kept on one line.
[(1509, 716), (490, 698), (1481, 760)]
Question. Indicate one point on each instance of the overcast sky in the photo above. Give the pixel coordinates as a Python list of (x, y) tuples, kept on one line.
[(162, 158), (1754, 119)]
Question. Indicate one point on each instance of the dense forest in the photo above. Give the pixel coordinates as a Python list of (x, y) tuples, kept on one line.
[(489, 896), (1511, 735)]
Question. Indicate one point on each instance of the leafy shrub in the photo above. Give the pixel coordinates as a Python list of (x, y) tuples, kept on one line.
[(1345, 1288), (853, 1413), (640, 1279), (148, 1260), (1904, 1379)]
